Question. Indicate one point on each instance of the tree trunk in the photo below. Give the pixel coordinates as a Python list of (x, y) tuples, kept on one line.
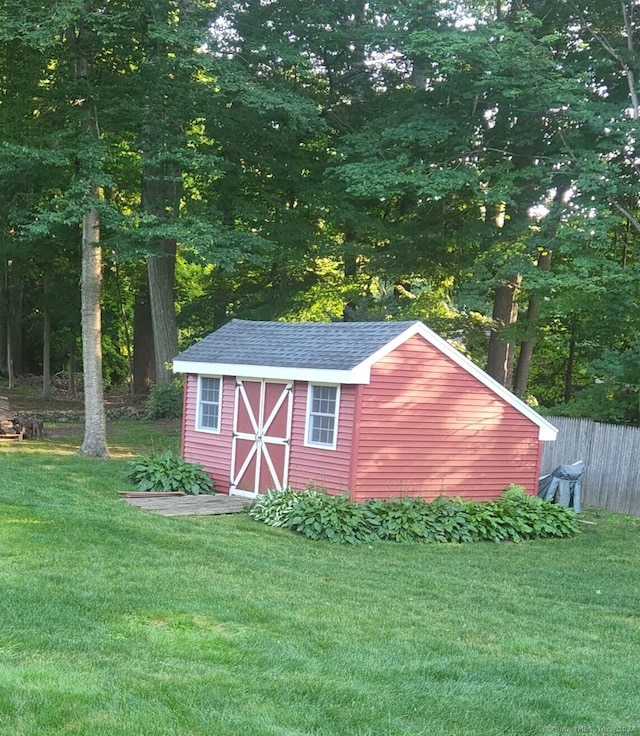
[(72, 389), (350, 260), (221, 296), (46, 338), (17, 309), (161, 191), (4, 322), (10, 328), (46, 356), (568, 377), (161, 269), (526, 347), (505, 313), (12, 379), (14, 290), (162, 134), (349, 309), (95, 432), (143, 353)]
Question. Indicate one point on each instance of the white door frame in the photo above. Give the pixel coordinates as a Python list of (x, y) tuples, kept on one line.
[(260, 428)]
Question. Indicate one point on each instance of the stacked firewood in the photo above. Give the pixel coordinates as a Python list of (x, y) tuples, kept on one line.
[(14, 427), (9, 425), (10, 430)]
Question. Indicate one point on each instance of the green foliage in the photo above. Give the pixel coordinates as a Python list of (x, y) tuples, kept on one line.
[(415, 520), (318, 515), (614, 395), (514, 516), (602, 403), (275, 507), (165, 402), (169, 472)]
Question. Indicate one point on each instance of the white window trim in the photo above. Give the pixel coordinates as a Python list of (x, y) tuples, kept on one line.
[(208, 430), (307, 424)]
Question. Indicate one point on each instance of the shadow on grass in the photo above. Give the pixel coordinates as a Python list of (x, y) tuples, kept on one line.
[(125, 438)]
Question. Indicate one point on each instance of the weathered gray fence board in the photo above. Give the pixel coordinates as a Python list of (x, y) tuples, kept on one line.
[(612, 456), (202, 505)]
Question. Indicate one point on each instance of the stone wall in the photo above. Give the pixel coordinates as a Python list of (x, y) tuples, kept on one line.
[(54, 416)]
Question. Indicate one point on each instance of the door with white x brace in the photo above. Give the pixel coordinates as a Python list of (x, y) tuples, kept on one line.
[(261, 436)]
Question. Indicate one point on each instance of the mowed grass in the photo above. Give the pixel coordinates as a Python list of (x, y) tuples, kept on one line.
[(115, 621)]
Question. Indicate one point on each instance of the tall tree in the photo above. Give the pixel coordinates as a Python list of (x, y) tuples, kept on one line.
[(172, 69), (80, 40), (64, 142)]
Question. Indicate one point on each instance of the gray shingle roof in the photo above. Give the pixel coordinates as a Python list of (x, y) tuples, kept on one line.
[(323, 345)]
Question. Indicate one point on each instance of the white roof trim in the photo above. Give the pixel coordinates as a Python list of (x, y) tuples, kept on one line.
[(361, 374), (547, 432), (279, 373)]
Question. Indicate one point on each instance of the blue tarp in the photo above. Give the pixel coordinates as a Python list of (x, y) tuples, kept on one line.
[(563, 486)]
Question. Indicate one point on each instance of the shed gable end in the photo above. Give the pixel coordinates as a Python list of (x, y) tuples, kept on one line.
[(428, 427)]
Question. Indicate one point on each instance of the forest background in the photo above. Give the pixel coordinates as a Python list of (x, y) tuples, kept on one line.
[(167, 165)]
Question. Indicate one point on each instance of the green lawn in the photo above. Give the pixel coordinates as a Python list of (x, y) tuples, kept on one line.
[(116, 622)]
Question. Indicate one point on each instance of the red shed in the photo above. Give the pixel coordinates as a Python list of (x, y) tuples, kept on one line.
[(379, 409)]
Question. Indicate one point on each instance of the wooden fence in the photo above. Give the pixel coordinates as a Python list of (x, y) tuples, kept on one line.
[(612, 456)]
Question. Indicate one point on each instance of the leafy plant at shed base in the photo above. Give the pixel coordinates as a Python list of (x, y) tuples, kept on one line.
[(317, 515), (169, 472), (274, 508), (514, 517)]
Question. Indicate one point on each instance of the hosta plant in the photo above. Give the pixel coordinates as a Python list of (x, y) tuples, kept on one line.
[(274, 508), (169, 472), (514, 516)]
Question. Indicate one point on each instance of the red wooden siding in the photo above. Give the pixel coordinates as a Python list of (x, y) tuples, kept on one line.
[(426, 427), (317, 465), (211, 450)]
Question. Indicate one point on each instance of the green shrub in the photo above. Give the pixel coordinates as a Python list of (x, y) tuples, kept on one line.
[(318, 515), (487, 522), (448, 521), (165, 402), (529, 517), (274, 508), (416, 520), (402, 519), (169, 472), (514, 516)]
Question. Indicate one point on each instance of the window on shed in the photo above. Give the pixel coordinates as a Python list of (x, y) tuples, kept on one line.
[(209, 404), (322, 415)]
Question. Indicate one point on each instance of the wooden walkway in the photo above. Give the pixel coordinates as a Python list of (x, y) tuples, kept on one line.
[(184, 505)]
